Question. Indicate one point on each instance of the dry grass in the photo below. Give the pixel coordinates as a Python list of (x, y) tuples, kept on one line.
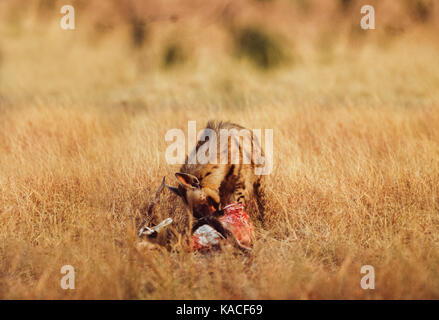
[(356, 177)]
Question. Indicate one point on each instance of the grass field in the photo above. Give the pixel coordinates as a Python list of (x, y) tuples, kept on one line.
[(83, 116)]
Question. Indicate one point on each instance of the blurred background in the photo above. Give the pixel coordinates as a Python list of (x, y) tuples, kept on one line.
[(135, 54)]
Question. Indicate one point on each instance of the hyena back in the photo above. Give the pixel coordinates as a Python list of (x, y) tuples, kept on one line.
[(207, 188)]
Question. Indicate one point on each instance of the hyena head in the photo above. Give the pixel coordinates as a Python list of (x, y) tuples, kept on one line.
[(200, 201)]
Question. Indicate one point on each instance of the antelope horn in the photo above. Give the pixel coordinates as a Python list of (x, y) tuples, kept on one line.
[(151, 207)]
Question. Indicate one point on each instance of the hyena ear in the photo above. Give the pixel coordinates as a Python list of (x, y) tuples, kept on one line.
[(187, 180), (173, 189)]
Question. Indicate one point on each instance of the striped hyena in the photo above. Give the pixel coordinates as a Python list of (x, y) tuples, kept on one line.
[(207, 188)]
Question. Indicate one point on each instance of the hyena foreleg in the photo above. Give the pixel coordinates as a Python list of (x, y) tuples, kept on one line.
[(243, 193), (239, 193), (261, 198)]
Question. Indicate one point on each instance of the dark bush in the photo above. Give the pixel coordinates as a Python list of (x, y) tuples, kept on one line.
[(260, 48), (138, 31), (421, 10), (346, 5), (173, 55)]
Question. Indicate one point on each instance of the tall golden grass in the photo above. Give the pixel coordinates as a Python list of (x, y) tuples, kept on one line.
[(356, 151)]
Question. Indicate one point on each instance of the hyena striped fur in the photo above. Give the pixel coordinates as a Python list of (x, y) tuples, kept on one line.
[(207, 188)]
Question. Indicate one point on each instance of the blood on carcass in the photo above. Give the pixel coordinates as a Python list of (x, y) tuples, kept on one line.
[(235, 220)]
